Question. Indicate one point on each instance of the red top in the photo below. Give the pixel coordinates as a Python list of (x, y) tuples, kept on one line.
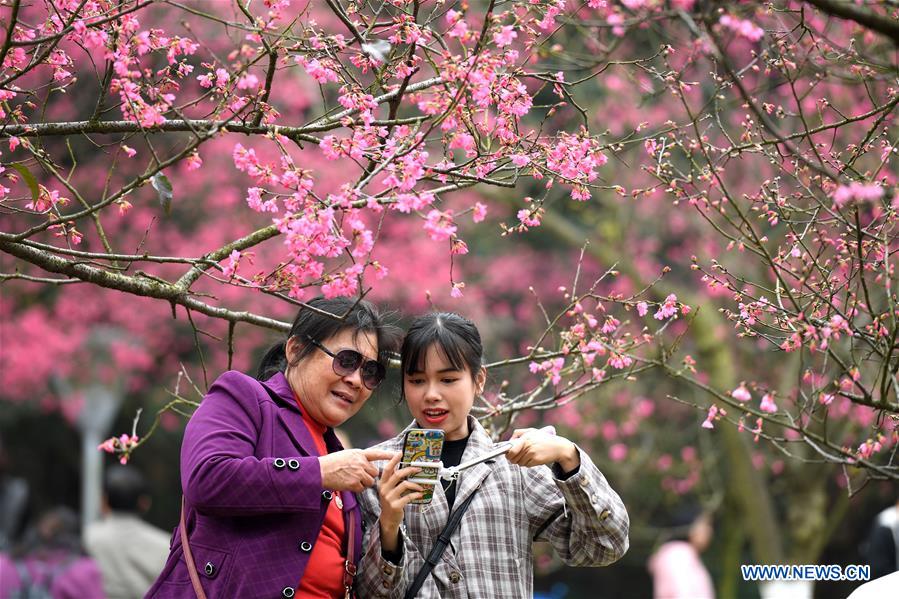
[(324, 572)]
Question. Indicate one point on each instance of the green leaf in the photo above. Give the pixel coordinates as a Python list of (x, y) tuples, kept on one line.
[(29, 179), (163, 187)]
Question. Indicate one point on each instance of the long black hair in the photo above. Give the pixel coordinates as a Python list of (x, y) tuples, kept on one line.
[(361, 317), (455, 336)]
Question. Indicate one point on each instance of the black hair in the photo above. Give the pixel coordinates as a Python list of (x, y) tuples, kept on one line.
[(57, 528), (124, 486), (323, 322), (682, 520), (455, 336)]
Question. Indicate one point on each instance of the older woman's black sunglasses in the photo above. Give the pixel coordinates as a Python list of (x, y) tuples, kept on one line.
[(347, 361)]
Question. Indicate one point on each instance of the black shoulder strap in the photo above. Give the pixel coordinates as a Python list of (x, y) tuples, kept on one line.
[(440, 546), (548, 522)]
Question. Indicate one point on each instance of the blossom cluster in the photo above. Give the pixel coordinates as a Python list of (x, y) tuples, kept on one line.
[(122, 446), (479, 96), (394, 109)]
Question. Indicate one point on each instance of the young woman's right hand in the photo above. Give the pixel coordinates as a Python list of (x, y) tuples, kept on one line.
[(395, 492), (352, 469)]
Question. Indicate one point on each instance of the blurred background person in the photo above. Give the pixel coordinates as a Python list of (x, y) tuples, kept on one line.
[(676, 567), (881, 549), (885, 586), (129, 552), (13, 503), (51, 562)]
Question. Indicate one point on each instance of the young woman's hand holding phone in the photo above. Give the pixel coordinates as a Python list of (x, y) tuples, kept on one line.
[(396, 492)]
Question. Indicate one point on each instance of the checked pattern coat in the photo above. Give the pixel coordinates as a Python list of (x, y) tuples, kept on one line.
[(490, 554)]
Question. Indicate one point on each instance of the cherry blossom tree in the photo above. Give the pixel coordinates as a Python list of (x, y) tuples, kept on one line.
[(732, 166), (417, 102)]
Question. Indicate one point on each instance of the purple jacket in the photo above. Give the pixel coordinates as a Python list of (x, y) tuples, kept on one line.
[(253, 493)]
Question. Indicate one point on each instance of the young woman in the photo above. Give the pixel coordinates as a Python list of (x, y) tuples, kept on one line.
[(545, 488), (269, 509)]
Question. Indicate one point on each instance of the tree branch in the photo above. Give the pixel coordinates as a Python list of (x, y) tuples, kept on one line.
[(174, 125), (211, 258), (135, 285), (848, 10)]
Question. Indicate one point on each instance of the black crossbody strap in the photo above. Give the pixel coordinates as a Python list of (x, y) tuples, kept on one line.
[(439, 547), (548, 522)]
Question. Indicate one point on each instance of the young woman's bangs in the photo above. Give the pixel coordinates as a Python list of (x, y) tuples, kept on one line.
[(448, 344)]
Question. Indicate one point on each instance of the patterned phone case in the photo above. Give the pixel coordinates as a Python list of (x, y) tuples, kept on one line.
[(424, 445)]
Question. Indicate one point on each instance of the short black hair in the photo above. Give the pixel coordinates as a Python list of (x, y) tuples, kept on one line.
[(323, 322), (682, 519), (124, 486)]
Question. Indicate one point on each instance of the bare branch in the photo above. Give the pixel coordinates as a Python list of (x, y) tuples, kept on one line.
[(850, 10), (136, 285)]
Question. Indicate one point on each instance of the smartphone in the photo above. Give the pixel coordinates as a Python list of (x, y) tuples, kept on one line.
[(423, 445)]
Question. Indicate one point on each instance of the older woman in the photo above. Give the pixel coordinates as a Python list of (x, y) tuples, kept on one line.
[(269, 509)]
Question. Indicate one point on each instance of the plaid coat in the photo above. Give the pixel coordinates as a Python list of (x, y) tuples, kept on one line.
[(490, 554), (253, 495)]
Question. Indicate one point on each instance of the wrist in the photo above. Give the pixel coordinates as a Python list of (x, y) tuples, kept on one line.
[(324, 472), (389, 535), (570, 459)]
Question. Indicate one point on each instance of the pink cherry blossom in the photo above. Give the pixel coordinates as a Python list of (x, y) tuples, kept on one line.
[(46, 200), (869, 448), (505, 36), (439, 225), (667, 309), (530, 218), (742, 27), (520, 160), (255, 201), (320, 70), (194, 161), (618, 452), (230, 268), (479, 213), (857, 192), (741, 393), (620, 361), (767, 404)]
